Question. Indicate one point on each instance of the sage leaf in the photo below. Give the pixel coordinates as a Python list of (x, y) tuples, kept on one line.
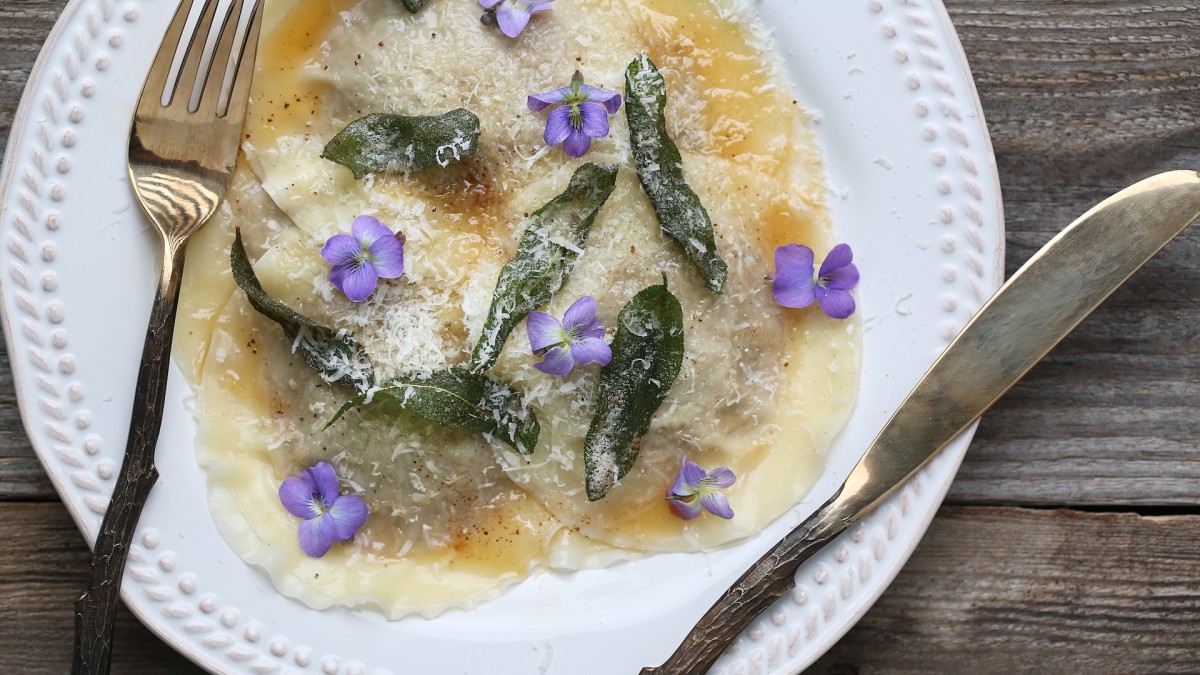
[(660, 170), (553, 239), (414, 5), (460, 399), (380, 142), (334, 355), (647, 354)]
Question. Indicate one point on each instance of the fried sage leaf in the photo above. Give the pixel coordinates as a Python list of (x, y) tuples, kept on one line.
[(460, 399), (335, 356), (646, 356), (554, 237), (380, 143), (660, 169), (414, 5)]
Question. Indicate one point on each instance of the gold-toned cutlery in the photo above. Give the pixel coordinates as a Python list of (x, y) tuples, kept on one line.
[(1035, 309), (180, 164)]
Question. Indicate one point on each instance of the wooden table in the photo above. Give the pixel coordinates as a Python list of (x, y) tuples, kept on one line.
[(1070, 541)]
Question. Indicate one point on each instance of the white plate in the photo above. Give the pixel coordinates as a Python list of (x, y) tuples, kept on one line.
[(913, 189)]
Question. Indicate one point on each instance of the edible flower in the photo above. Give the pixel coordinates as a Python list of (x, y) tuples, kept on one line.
[(328, 515), (370, 252), (794, 283), (511, 15), (578, 339), (695, 490), (582, 115)]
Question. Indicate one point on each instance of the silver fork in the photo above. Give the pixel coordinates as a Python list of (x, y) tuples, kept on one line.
[(180, 165)]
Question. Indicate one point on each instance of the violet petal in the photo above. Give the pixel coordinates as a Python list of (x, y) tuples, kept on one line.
[(684, 510), (611, 100), (297, 497), (839, 256), (538, 102), (721, 477), (366, 229), (793, 284), (577, 142), (558, 126), (348, 513), (593, 329), (688, 479), (580, 315), (317, 536), (841, 279), (339, 272), (324, 479), (544, 331), (794, 257), (793, 289), (387, 255), (595, 119), (488, 4), (511, 19), (340, 248), (717, 504), (557, 361), (591, 349), (836, 303), (356, 281)]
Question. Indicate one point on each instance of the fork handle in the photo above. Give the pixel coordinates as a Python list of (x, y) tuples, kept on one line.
[(96, 609)]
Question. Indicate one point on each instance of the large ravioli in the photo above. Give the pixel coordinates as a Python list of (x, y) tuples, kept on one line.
[(456, 517)]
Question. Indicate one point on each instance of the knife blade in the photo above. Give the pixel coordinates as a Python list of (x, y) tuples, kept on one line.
[(1034, 310)]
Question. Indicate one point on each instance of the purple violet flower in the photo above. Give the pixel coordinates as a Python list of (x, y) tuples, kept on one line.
[(370, 252), (695, 490), (578, 339), (794, 283), (328, 515), (582, 115), (511, 15)]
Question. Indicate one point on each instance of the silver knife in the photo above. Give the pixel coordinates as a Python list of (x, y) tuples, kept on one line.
[(1035, 309)]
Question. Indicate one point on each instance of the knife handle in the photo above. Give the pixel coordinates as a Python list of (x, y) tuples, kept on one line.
[(1043, 301), (767, 580)]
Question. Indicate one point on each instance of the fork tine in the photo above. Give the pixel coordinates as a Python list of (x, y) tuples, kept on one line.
[(210, 95), (181, 94), (239, 94), (160, 70)]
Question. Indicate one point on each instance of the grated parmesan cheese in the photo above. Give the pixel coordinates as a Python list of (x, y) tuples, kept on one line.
[(441, 498)]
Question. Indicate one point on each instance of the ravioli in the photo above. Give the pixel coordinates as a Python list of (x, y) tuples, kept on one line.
[(456, 517)]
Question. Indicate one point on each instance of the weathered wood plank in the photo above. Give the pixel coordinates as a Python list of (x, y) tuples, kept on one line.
[(1004, 590), (43, 569), (24, 25), (1083, 99), (21, 475)]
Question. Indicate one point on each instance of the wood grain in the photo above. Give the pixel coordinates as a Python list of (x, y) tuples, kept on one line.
[(1005, 590), (43, 569), (24, 25), (1081, 100)]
